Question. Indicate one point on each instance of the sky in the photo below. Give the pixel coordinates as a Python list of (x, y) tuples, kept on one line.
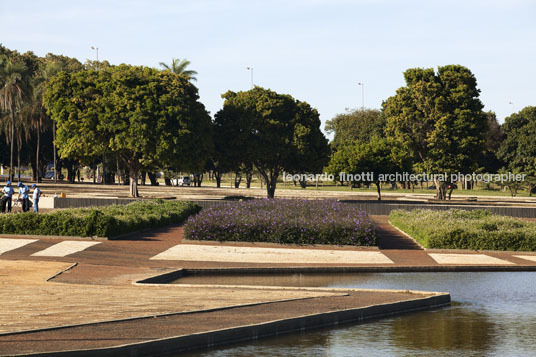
[(315, 50)]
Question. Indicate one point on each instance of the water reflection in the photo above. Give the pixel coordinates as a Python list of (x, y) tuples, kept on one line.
[(302, 280), (491, 314), (458, 328)]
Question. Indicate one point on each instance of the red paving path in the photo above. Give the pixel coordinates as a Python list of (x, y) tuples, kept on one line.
[(137, 250)]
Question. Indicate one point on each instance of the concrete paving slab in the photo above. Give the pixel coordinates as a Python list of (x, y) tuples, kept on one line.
[(527, 257), (64, 248), (10, 244), (190, 252), (30, 302), (468, 259)]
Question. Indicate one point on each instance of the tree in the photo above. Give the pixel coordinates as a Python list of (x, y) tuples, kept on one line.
[(439, 118), (147, 117), (230, 144), (375, 159), (277, 131), (48, 67), (13, 90), (311, 144), (518, 150), (494, 137), (179, 67), (359, 124)]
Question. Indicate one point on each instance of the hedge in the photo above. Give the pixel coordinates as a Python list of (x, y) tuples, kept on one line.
[(108, 221), (458, 229)]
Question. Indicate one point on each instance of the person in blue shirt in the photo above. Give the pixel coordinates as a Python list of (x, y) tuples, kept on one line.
[(35, 197), (24, 192), (6, 198)]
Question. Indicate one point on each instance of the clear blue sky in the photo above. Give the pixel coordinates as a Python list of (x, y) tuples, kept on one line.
[(316, 50)]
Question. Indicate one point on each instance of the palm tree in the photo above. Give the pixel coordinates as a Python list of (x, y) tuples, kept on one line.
[(179, 67), (39, 120), (13, 90)]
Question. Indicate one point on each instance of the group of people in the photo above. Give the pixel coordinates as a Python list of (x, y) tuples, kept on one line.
[(23, 198)]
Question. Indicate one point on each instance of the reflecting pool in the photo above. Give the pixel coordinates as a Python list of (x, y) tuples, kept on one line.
[(492, 314)]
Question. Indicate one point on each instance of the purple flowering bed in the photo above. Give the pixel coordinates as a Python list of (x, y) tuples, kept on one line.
[(284, 221)]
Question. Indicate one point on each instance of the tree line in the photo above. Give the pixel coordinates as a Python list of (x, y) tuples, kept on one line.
[(434, 124), (135, 121)]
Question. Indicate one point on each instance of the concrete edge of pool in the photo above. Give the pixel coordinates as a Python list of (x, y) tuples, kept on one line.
[(400, 301), (243, 333)]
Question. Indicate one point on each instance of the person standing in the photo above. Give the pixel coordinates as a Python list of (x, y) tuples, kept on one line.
[(6, 199), (24, 192), (36, 195)]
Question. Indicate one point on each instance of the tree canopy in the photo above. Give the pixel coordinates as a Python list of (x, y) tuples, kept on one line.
[(359, 124), (147, 117), (439, 118), (278, 132), (518, 150)]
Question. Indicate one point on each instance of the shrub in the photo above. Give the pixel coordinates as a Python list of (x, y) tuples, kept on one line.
[(458, 229), (283, 221), (109, 221)]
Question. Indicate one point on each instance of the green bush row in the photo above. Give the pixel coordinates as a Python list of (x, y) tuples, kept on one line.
[(458, 229), (108, 221)]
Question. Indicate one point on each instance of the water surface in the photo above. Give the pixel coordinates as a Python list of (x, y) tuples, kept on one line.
[(492, 314)]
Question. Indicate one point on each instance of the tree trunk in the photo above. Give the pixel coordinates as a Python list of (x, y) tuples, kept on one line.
[(103, 169), (54, 149), (271, 183), (133, 182), (152, 178), (378, 187), (12, 143), (270, 188), (18, 160), (117, 169), (441, 190), (34, 171), (249, 178), (38, 178), (217, 175), (198, 178), (143, 177), (237, 180)]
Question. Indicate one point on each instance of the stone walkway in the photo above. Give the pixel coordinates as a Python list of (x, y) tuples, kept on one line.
[(30, 302)]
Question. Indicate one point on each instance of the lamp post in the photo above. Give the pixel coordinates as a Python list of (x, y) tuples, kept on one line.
[(362, 94), (97, 50), (251, 70)]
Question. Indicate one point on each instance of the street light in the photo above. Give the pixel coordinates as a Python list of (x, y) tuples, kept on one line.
[(251, 70), (103, 155), (97, 50), (362, 95)]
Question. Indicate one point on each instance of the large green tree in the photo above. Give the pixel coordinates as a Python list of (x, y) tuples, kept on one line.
[(147, 117), (39, 121), (15, 74), (518, 150), (279, 133), (359, 124), (374, 158), (439, 118)]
